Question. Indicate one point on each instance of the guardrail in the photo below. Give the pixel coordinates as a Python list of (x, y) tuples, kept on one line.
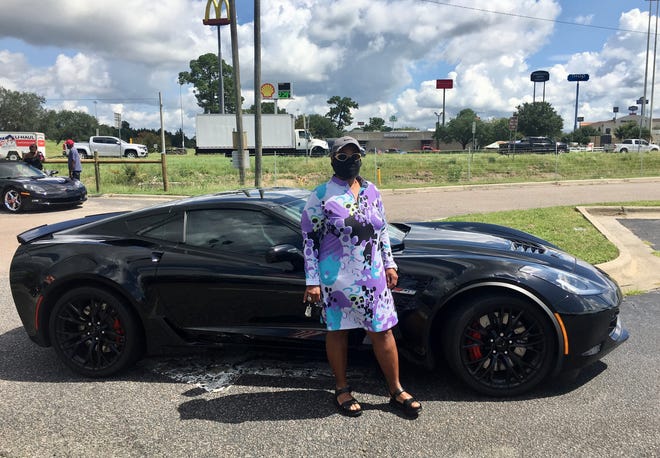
[(97, 166)]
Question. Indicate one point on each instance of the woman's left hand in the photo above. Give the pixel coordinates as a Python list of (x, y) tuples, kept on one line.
[(392, 277)]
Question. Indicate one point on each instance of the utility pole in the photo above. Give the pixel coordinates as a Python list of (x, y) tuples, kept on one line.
[(257, 94), (237, 92)]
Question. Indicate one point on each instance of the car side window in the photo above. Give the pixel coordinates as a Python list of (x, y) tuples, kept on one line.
[(244, 232)]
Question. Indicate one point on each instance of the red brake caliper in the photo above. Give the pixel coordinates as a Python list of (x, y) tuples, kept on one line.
[(118, 329), (475, 351)]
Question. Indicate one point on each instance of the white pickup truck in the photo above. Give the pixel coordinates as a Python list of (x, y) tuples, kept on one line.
[(634, 145), (109, 147)]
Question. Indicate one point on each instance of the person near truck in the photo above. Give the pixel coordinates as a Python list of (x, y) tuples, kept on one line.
[(34, 157), (349, 268), (73, 160)]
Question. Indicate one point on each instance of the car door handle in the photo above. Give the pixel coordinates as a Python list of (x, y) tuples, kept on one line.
[(156, 256)]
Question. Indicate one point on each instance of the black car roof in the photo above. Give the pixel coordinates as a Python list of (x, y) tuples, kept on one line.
[(279, 195)]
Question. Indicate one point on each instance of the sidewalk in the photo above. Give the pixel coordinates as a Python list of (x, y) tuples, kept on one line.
[(637, 268)]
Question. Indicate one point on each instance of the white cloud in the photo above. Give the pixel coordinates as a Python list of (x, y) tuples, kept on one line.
[(385, 54)]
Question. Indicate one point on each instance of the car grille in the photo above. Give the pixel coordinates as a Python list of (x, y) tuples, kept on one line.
[(526, 247)]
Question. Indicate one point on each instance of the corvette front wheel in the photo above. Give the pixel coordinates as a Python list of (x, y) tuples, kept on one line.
[(500, 345)]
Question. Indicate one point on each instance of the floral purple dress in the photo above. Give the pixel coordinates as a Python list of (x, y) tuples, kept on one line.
[(347, 249)]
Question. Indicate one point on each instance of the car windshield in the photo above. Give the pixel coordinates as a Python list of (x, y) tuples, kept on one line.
[(294, 209), (17, 169)]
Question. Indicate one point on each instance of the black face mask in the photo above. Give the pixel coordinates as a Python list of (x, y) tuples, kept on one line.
[(350, 168)]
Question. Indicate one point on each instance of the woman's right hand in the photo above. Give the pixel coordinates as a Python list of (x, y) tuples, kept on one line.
[(312, 294)]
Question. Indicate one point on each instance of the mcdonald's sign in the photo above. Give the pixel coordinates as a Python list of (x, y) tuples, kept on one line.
[(217, 9)]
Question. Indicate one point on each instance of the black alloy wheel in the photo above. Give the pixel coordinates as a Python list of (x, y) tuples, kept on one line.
[(500, 345), (94, 333), (12, 200)]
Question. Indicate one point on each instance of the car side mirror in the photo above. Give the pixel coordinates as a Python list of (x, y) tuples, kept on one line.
[(285, 252)]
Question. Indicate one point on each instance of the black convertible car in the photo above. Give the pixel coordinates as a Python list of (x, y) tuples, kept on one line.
[(23, 187), (504, 308)]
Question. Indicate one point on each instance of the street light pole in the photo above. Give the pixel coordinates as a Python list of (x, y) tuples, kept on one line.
[(437, 128)]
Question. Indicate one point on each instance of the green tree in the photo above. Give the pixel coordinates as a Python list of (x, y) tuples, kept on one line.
[(375, 125), (583, 135), (20, 110), (460, 128), (266, 108), (631, 130), (340, 111), (539, 119), (66, 124), (204, 76), (495, 130), (322, 127)]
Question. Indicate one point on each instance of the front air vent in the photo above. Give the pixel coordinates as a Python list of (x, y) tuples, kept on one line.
[(526, 247)]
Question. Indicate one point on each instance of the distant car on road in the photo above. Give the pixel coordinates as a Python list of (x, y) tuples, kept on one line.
[(533, 145), (23, 187), (429, 148)]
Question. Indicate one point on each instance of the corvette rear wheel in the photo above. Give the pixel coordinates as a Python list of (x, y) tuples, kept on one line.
[(500, 345), (94, 333), (12, 200)]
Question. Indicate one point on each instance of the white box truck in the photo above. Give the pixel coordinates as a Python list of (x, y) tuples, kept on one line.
[(14, 144), (214, 134)]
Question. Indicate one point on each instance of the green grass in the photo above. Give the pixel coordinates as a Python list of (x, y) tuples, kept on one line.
[(190, 174), (564, 226)]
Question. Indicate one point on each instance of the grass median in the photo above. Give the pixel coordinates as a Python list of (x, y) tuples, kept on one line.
[(192, 174)]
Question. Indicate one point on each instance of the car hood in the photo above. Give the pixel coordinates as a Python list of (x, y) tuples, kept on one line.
[(49, 182), (480, 238)]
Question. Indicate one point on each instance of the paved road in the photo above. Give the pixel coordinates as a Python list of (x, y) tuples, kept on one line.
[(246, 404)]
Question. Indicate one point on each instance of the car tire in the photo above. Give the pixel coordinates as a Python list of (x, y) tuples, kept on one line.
[(317, 151), (623, 150), (12, 200), (95, 333), (131, 154), (500, 345)]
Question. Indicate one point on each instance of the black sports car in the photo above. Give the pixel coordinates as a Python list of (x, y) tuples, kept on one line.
[(504, 308), (23, 186)]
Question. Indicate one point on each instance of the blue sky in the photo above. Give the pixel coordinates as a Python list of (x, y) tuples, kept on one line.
[(385, 54)]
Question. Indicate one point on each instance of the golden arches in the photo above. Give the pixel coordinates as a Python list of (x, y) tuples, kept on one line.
[(217, 8)]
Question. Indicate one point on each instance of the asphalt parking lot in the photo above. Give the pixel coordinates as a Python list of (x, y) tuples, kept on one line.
[(260, 404)]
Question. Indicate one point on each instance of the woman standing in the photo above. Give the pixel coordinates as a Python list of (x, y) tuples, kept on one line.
[(350, 268)]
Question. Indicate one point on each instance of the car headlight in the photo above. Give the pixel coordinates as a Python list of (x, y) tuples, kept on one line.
[(34, 187), (565, 280)]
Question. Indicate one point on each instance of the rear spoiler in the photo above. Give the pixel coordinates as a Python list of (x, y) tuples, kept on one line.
[(48, 229)]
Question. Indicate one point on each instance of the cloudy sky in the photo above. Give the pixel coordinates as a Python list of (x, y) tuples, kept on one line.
[(105, 56)]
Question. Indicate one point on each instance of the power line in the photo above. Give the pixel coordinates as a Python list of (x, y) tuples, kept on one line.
[(116, 100), (522, 16)]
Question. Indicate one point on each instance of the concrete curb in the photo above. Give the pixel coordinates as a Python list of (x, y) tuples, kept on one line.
[(636, 268)]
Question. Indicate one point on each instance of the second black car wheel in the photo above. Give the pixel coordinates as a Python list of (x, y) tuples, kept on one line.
[(94, 333), (500, 345)]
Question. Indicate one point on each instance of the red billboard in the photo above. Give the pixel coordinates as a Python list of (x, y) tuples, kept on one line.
[(444, 84)]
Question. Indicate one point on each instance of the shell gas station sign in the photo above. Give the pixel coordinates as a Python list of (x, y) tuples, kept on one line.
[(267, 90)]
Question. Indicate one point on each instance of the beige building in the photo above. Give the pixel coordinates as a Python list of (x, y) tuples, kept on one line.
[(607, 128), (404, 140)]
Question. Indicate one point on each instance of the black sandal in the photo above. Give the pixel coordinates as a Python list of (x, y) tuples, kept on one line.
[(406, 406), (345, 407)]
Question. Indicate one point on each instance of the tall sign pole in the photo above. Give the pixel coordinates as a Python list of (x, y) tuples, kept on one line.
[(444, 84), (218, 21), (577, 77), (539, 76), (257, 94), (240, 146)]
